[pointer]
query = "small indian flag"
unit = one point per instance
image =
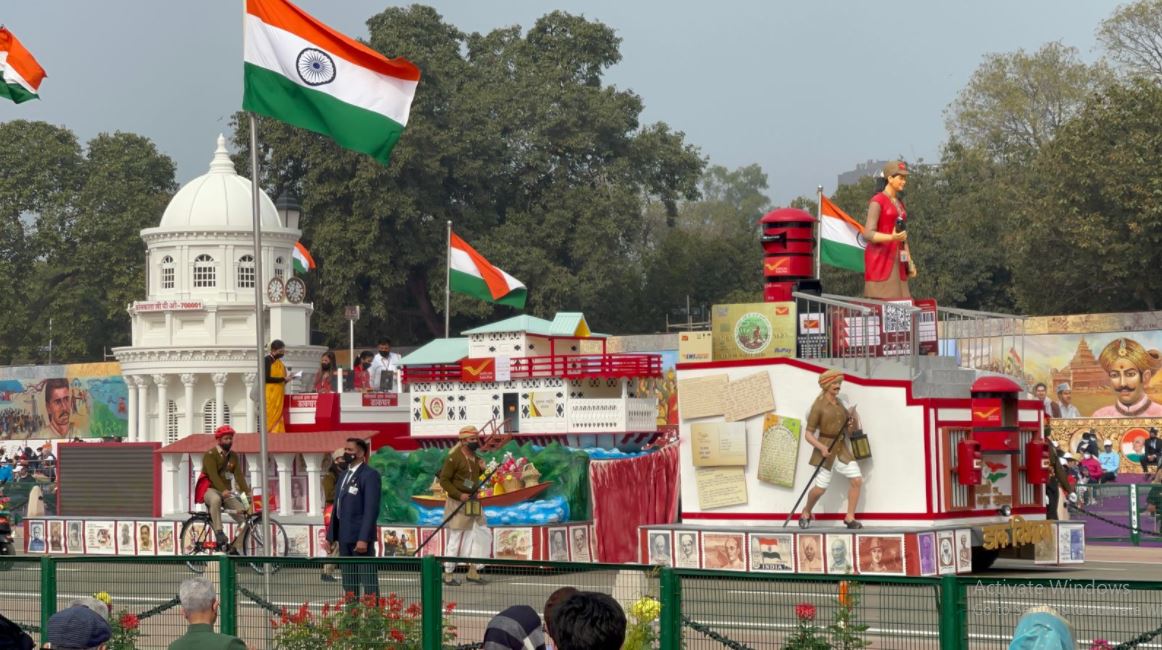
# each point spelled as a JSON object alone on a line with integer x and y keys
{"x": 842, "y": 238}
{"x": 470, "y": 273}
{"x": 304, "y": 73}
{"x": 302, "y": 259}
{"x": 22, "y": 74}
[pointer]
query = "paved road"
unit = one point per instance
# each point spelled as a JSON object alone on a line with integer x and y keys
{"x": 759, "y": 614}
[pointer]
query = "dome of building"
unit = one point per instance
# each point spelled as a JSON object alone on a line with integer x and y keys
{"x": 218, "y": 199}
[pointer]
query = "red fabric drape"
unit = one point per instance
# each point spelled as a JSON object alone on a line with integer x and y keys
{"x": 630, "y": 493}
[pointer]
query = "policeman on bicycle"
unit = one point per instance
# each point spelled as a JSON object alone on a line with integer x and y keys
{"x": 223, "y": 483}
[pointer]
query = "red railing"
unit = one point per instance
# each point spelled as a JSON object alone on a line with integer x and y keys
{"x": 604, "y": 366}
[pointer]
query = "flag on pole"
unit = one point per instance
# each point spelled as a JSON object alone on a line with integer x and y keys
{"x": 470, "y": 273}
{"x": 302, "y": 259}
{"x": 842, "y": 241}
{"x": 302, "y": 72}
{"x": 22, "y": 74}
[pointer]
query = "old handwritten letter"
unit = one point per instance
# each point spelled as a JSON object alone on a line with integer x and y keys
{"x": 719, "y": 487}
{"x": 718, "y": 444}
{"x": 702, "y": 397}
{"x": 749, "y": 396}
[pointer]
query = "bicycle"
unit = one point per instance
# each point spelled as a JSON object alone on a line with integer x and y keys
{"x": 198, "y": 538}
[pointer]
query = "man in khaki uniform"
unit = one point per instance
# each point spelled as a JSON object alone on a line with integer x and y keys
{"x": 219, "y": 466}
{"x": 827, "y": 428}
{"x": 467, "y": 534}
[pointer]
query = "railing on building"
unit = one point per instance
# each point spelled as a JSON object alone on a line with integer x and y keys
{"x": 604, "y": 415}
{"x": 983, "y": 340}
{"x": 695, "y": 608}
{"x": 604, "y": 366}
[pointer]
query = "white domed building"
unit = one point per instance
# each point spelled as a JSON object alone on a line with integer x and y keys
{"x": 193, "y": 360}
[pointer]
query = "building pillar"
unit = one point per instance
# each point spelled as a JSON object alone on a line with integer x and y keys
{"x": 162, "y": 382}
{"x": 219, "y": 398}
{"x": 183, "y": 495}
{"x": 169, "y": 487}
{"x": 286, "y": 463}
{"x": 252, "y": 474}
{"x": 142, "y": 407}
{"x": 131, "y": 409}
{"x": 249, "y": 379}
{"x": 188, "y": 381}
{"x": 195, "y": 472}
{"x": 314, "y": 463}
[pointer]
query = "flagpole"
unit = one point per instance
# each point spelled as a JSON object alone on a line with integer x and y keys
{"x": 259, "y": 329}
{"x": 818, "y": 231}
{"x": 448, "y": 283}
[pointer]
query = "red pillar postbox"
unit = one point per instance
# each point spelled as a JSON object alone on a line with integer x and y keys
{"x": 788, "y": 241}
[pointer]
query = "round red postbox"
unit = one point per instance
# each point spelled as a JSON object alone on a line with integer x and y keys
{"x": 788, "y": 241}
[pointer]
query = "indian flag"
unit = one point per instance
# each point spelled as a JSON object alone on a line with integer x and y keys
{"x": 470, "y": 273}
{"x": 842, "y": 238}
{"x": 22, "y": 74}
{"x": 304, "y": 73}
{"x": 302, "y": 259}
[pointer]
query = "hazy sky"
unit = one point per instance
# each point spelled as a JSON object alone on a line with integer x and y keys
{"x": 805, "y": 89}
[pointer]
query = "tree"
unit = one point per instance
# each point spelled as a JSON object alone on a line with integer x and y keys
{"x": 1092, "y": 226}
{"x": 1132, "y": 37}
{"x": 517, "y": 141}
{"x": 1014, "y": 103}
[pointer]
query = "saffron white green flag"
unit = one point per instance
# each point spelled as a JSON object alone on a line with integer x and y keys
{"x": 470, "y": 273}
{"x": 304, "y": 73}
{"x": 302, "y": 259}
{"x": 21, "y": 73}
{"x": 842, "y": 242}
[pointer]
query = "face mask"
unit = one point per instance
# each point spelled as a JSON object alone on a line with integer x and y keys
{"x": 348, "y": 458}
{"x": 326, "y": 366}
{"x": 472, "y": 446}
{"x": 226, "y": 448}
{"x": 341, "y": 465}
{"x": 366, "y": 365}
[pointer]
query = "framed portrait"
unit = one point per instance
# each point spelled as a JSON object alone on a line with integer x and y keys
{"x": 56, "y": 537}
{"x": 433, "y": 547}
{"x": 809, "y": 552}
{"x": 771, "y": 553}
{"x": 927, "y": 545}
{"x": 126, "y": 538}
{"x": 397, "y": 541}
{"x": 724, "y": 551}
{"x": 659, "y": 547}
{"x": 1071, "y": 543}
{"x": 319, "y": 541}
{"x": 299, "y": 494}
{"x": 100, "y": 538}
{"x": 37, "y": 537}
{"x": 579, "y": 544}
{"x": 298, "y": 540}
{"x": 688, "y": 551}
{"x": 167, "y": 537}
{"x": 513, "y": 543}
{"x": 945, "y": 552}
{"x": 880, "y": 554}
{"x": 963, "y": 550}
{"x": 839, "y": 553}
{"x": 558, "y": 544}
{"x": 146, "y": 538}
{"x": 75, "y": 537}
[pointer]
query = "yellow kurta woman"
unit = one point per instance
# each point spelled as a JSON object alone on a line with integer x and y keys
{"x": 275, "y": 387}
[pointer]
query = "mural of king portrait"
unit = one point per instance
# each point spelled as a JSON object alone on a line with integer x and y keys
{"x": 1130, "y": 367}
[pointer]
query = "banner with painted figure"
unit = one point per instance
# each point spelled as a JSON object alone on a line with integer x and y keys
{"x": 85, "y": 400}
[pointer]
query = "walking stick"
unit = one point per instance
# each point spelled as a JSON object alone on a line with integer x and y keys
{"x": 809, "y": 482}
{"x": 460, "y": 507}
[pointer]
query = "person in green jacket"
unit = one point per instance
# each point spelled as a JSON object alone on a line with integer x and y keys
{"x": 200, "y": 608}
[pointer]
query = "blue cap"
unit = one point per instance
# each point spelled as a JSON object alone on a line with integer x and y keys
{"x": 1041, "y": 631}
{"x": 77, "y": 627}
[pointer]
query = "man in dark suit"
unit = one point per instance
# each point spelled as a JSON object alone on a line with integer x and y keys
{"x": 353, "y": 521}
{"x": 1152, "y": 451}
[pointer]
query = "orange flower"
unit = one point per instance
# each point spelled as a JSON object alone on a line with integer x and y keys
{"x": 844, "y": 599}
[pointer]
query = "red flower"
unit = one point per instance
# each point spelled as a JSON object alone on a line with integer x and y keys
{"x": 414, "y": 609}
{"x": 129, "y": 621}
{"x": 449, "y": 607}
{"x": 805, "y": 612}
{"x": 398, "y": 636}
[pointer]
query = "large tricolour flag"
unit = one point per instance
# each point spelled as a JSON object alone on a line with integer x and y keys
{"x": 304, "y": 73}
{"x": 470, "y": 273}
{"x": 301, "y": 258}
{"x": 21, "y": 73}
{"x": 842, "y": 237}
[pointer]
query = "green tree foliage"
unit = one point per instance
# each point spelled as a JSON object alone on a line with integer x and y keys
{"x": 70, "y": 247}
{"x": 1132, "y": 38}
{"x": 514, "y": 138}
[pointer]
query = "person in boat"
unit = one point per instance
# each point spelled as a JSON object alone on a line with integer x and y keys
{"x": 827, "y": 427}
{"x": 468, "y": 535}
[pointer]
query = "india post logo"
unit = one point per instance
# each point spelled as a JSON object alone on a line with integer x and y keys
{"x": 752, "y": 333}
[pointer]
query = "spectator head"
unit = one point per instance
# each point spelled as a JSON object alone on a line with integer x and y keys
{"x": 1040, "y": 390}
{"x": 365, "y": 358}
{"x": 78, "y": 628}
{"x": 517, "y": 627}
{"x": 588, "y": 621}
{"x": 199, "y": 600}
{"x": 277, "y": 349}
{"x": 355, "y": 446}
{"x": 555, "y": 600}
{"x": 97, "y": 606}
{"x": 384, "y": 346}
{"x": 1042, "y": 628}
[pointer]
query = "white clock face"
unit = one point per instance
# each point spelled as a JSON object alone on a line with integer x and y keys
{"x": 274, "y": 290}
{"x": 296, "y": 290}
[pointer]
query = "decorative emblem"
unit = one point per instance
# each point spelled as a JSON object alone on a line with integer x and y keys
{"x": 859, "y": 239}
{"x": 296, "y": 290}
{"x": 315, "y": 67}
{"x": 275, "y": 290}
{"x": 752, "y": 333}
{"x": 1122, "y": 348}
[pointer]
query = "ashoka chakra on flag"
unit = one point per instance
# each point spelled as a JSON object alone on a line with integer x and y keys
{"x": 316, "y": 67}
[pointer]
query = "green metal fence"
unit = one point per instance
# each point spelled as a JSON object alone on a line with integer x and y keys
{"x": 283, "y": 603}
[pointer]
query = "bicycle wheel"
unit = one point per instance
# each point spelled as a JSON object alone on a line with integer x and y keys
{"x": 255, "y": 544}
{"x": 196, "y": 535}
